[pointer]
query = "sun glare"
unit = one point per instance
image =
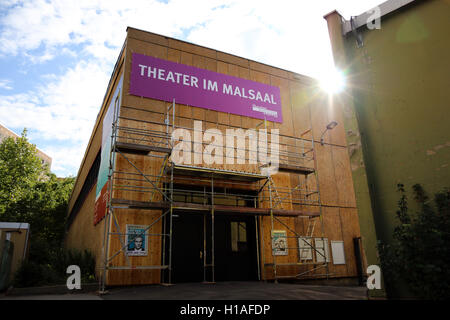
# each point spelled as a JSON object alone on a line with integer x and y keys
{"x": 332, "y": 81}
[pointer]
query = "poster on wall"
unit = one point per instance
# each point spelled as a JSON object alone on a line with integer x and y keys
{"x": 101, "y": 195}
{"x": 279, "y": 243}
{"x": 137, "y": 241}
{"x": 166, "y": 80}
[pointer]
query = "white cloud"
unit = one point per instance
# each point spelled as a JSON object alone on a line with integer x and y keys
{"x": 63, "y": 110}
{"x": 48, "y": 24}
{"x": 66, "y": 160}
{"x": 5, "y": 84}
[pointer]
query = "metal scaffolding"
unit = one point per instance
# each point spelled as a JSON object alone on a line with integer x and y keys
{"x": 207, "y": 189}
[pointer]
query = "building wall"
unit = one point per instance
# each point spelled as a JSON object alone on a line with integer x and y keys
{"x": 81, "y": 232}
{"x": 304, "y": 106}
{"x": 402, "y": 104}
{"x": 398, "y": 82}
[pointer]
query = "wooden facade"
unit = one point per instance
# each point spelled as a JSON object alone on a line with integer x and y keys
{"x": 305, "y": 109}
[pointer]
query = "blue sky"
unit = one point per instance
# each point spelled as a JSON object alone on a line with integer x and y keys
{"x": 56, "y": 57}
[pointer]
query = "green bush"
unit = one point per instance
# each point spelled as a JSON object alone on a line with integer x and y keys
{"x": 84, "y": 259}
{"x": 32, "y": 273}
{"x": 419, "y": 254}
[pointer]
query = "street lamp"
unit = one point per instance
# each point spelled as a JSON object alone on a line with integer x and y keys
{"x": 330, "y": 126}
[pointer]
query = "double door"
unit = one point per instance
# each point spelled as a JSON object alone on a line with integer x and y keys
{"x": 235, "y": 248}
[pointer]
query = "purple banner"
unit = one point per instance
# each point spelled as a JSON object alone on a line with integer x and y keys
{"x": 165, "y": 80}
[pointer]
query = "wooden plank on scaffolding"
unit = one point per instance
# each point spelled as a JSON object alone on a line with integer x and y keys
{"x": 218, "y": 173}
{"x": 350, "y": 230}
{"x": 133, "y": 204}
{"x": 139, "y": 149}
{"x": 295, "y": 169}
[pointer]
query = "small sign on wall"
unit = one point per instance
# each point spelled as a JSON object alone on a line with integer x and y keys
{"x": 305, "y": 248}
{"x": 337, "y": 250}
{"x": 137, "y": 241}
{"x": 279, "y": 243}
{"x": 322, "y": 250}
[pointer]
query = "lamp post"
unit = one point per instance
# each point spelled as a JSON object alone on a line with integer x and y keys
{"x": 330, "y": 126}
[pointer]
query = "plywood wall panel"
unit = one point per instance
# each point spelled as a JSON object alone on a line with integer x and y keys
{"x": 198, "y": 61}
{"x": 84, "y": 235}
{"x": 147, "y": 37}
{"x": 211, "y": 64}
{"x": 187, "y": 47}
{"x": 337, "y": 135}
{"x": 343, "y": 174}
{"x": 173, "y": 55}
{"x": 225, "y": 57}
{"x": 327, "y": 182}
{"x": 186, "y": 58}
{"x": 211, "y": 116}
{"x": 319, "y": 118}
{"x": 350, "y": 230}
{"x": 300, "y": 109}
{"x": 333, "y": 231}
{"x": 146, "y": 48}
{"x": 286, "y": 128}
{"x": 116, "y": 277}
{"x": 268, "y": 69}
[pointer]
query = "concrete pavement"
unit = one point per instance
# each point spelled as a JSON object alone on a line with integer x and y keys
{"x": 218, "y": 291}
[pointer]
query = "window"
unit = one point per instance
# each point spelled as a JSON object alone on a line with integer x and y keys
{"x": 337, "y": 250}
{"x": 321, "y": 249}
{"x": 238, "y": 236}
{"x": 305, "y": 248}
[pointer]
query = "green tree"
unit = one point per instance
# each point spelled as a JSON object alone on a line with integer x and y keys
{"x": 20, "y": 171}
{"x": 419, "y": 254}
{"x": 30, "y": 193}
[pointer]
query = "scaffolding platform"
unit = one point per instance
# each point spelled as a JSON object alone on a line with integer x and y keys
{"x": 139, "y": 149}
{"x": 295, "y": 169}
{"x": 133, "y": 204}
{"x": 216, "y": 173}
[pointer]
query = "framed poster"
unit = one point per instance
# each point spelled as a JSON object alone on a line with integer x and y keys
{"x": 137, "y": 243}
{"x": 322, "y": 254}
{"x": 305, "y": 248}
{"x": 279, "y": 243}
{"x": 338, "y": 252}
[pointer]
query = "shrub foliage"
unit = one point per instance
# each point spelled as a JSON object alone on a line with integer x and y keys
{"x": 419, "y": 253}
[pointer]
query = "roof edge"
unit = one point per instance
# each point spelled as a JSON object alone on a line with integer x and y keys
{"x": 385, "y": 8}
{"x": 295, "y": 74}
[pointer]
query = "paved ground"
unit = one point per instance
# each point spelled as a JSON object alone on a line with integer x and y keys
{"x": 218, "y": 291}
{"x": 66, "y": 296}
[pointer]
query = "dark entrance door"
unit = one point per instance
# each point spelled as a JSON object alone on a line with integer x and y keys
{"x": 235, "y": 248}
{"x": 187, "y": 263}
